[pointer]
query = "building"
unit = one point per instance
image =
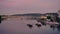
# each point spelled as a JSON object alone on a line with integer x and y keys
{"x": 43, "y": 16}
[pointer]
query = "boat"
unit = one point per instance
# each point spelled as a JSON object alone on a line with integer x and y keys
{"x": 52, "y": 23}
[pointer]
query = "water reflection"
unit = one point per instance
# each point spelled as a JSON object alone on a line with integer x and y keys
{"x": 58, "y": 27}
{"x": 52, "y": 24}
{"x": 21, "y": 25}
{"x": 1, "y": 19}
{"x": 54, "y": 27}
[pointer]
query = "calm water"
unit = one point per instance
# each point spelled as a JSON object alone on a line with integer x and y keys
{"x": 19, "y": 26}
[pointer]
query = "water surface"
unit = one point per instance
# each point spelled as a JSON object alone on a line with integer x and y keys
{"x": 19, "y": 26}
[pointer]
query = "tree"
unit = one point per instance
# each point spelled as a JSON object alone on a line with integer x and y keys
{"x": 48, "y": 17}
{"x": 0, "y": 19}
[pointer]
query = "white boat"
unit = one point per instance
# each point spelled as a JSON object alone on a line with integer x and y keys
{"x": 52, "y": 23}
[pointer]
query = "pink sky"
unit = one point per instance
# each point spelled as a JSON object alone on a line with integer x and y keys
{"x": 28, "y": 6}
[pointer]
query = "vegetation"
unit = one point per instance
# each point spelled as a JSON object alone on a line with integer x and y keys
{"x": 0, "y": 19}
{"x": 48, "y": 17}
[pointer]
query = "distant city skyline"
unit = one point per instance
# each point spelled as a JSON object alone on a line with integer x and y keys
{"x": 8, "y": 7}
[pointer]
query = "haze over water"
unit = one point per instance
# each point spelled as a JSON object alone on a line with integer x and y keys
{"x": 8, "y": 7}
{"x": 19, "y": 26}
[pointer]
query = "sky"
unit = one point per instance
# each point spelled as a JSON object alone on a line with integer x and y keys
{"x": 9, "y": 7}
